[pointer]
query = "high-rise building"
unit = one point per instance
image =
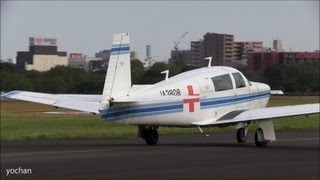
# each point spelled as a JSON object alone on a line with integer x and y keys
{"x": 180, "y": 55}
{"x": 277, "y": 45}
{"x": 148, "y": 51}
{"x": 196, "y": 52}
{"x": 104, "y": 55}
{"x": 219, "y": 47}
{"x": 241, "y": 49}
{"x": 223, "y": 50}
{"x": 42, "y": 55}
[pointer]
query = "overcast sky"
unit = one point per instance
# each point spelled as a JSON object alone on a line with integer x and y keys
{"x": 88, "y": 27}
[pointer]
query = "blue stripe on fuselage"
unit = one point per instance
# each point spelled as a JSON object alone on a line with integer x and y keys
{"x": 173, "y": 107}
{"x": 144, "y": 110}
{"x": 215, "y": 102}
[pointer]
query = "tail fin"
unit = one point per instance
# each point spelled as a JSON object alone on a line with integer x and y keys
{"x": 118, "y": 78}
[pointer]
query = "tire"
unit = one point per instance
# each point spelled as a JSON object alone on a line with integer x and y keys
{"x": 241, "y": 135}
{"x": 256, "y": 140}
{"x": 151, "y": 137}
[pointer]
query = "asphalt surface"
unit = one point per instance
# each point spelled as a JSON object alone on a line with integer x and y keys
{"x": 294, "y": 156}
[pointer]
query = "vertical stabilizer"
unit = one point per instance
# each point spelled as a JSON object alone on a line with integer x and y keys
{"x": 118, "y": 78}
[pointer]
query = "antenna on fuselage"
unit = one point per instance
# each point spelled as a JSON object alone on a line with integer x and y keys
{"x": 210, "y": 59}
{"x": 167, "y": 74}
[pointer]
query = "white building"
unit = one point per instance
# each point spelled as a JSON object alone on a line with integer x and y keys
{"x": 46, "y": 62}
{"x": 151, "y": 61}
{"x": 277, "y": 45}
{"x": 77, "y": 60}
{"x": 43, "y": 55}
{"x": 88, "y": 64}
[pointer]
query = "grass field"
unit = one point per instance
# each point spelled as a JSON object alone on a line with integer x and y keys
{"x": 28, "y": 121}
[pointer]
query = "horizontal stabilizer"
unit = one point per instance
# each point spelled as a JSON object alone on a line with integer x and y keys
{"x": 86, "y": 103}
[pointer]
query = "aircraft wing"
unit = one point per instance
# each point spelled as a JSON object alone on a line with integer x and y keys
{"x": 87, "y": 103}
{"x": 276, "y": 92}
{"x": 262, "y": 114}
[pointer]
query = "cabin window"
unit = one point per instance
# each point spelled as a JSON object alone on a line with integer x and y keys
{"x": 239, "y": 80}
{"x": 222, "y": 82}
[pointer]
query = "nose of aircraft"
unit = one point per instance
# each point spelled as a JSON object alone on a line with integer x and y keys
{"x": 264, "y": 87}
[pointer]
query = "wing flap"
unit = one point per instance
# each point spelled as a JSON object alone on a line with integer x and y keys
{"x": 92, "y": 107}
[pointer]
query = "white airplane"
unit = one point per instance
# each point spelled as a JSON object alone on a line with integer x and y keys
{"x": 209, "y": 96}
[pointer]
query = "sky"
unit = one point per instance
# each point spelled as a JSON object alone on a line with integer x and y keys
{"x": 88, "y": 26}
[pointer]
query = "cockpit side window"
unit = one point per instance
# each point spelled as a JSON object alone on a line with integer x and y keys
{"x": 222, "y": 82}
{"x": 239, "y": 80}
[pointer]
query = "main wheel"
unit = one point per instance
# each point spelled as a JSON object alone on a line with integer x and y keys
{"x": 151, "y": 136}
{"x": 241, "y": 135}
{"x": 256, "y": 139}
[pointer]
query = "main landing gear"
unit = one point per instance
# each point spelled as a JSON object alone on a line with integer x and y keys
{"x": 149, "y": 134}
{"x": 262, "y": 136}
{"x": 242, "y": 134}
{"x": 259, "y": 138}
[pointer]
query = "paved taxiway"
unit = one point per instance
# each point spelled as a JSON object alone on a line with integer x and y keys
{"x": 294, "y": 156}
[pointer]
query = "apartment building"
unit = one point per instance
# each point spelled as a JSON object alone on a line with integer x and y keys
{"x": 242, "y": 48}
{"x": 219, "y": 47}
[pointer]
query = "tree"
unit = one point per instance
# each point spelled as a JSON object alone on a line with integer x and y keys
{"x": 90, "y": 87}
{"x": 294, "y": 78}
{"x": 290, "y": 78}
{"x": 137, "y": 71}
{"x": 153, "y": 75}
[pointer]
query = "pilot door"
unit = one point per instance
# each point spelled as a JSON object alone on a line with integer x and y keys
{"x": 206, "y": 87}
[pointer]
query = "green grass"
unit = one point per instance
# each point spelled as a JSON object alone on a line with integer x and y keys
{"x": 27, "y": 121}
{"x": 62, "y": 128}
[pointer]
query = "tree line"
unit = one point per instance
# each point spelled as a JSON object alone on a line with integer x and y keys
{"x": 295, "y": 78}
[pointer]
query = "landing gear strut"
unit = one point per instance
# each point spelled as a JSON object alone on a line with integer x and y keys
{"x": 259, "y": 138}
{"x": 150, "y": 135}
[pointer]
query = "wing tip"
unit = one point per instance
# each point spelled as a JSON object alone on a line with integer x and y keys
{"x": 10, "y": 94}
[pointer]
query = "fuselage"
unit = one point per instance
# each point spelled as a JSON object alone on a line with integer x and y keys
{"x": 210, "y": 93}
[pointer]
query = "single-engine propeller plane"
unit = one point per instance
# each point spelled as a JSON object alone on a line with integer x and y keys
{"x": 208, "y": 96}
